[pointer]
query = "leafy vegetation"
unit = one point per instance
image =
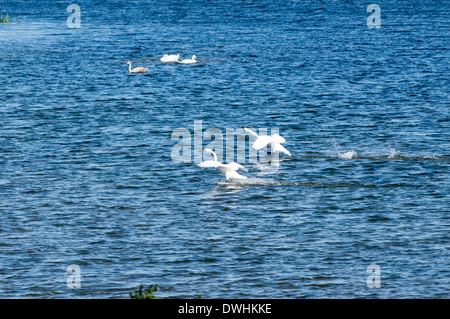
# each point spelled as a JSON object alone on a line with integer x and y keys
{"x": 5, "y": 18}
{"x": 149, "y": 293}
{"x": 145, "y": 293}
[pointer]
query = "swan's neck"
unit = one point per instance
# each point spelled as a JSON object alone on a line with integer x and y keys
{"x": 251, "y": 132}
{"x": 215, "y": 156}
{"x": 129, "y": 67}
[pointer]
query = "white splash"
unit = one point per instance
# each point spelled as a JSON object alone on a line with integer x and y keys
{"x": 393, "y": 152}
{"x": 347, "y": 155}
{"x": 251, "y": 181}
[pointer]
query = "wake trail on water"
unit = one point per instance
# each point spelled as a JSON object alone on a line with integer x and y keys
{"x": 394, "y": 154}
{"x": 386, "y": 157}
{"x": 271, "y": 182}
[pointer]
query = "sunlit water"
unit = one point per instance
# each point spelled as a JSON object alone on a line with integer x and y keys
{"x": 87, "y": 177}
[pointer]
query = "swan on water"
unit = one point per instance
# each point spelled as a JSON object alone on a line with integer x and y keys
{"x": 229, "y": 170}
{"x": 137, "y": 69}
{"x": 170, "y": 58}
{"x": 347, "y": 155}
{"x": 274, "y": 141}
{"x": 188, "y": 61}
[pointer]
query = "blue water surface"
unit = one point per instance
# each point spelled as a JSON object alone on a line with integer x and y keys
{"x": 87, "y": 175}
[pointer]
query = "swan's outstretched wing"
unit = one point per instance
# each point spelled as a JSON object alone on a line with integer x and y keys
{"x": 277, "y": 138}
{"x": 261, "y": 141}
{"x": 233, "y": 175}
{"x": 235, "y": 166}
{"x": 229, "y": 170}
{"x": 209, "y": 164}
{"x": 277, "y": 147}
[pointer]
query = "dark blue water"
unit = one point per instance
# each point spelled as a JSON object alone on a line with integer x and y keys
{"x": 87, "y": 177}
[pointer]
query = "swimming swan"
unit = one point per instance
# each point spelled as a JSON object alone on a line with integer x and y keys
{"x": 189, "y": 61}
{"x": 137, "y": 69}
{"x": 170, "y": 58}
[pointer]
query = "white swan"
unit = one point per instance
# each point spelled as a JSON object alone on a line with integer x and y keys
{"x": 188, "y": 61}
{"x": 347, "y": 155}
{"x": 170, "y": 58}
{"x": 137, "y": 69}
{"x": 274, "y": 141}
{"x": 229, "y": 170}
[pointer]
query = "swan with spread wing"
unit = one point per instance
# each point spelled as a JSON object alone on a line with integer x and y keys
{"x": 274, "y": 141}
{"x": 229, "y": 170}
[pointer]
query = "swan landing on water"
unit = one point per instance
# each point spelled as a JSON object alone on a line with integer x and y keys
{"x": 137, "y": 69}
{"x": 274, "y": 141}
{"x": 229, "y": 170}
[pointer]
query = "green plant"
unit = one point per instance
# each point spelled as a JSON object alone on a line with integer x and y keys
{"x": 145, "y": 294}
{"x": 149, "y": 293}
{"x": 5, "y": 19}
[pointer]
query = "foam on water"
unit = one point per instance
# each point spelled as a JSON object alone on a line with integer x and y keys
{"x": 347, "y": 155}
